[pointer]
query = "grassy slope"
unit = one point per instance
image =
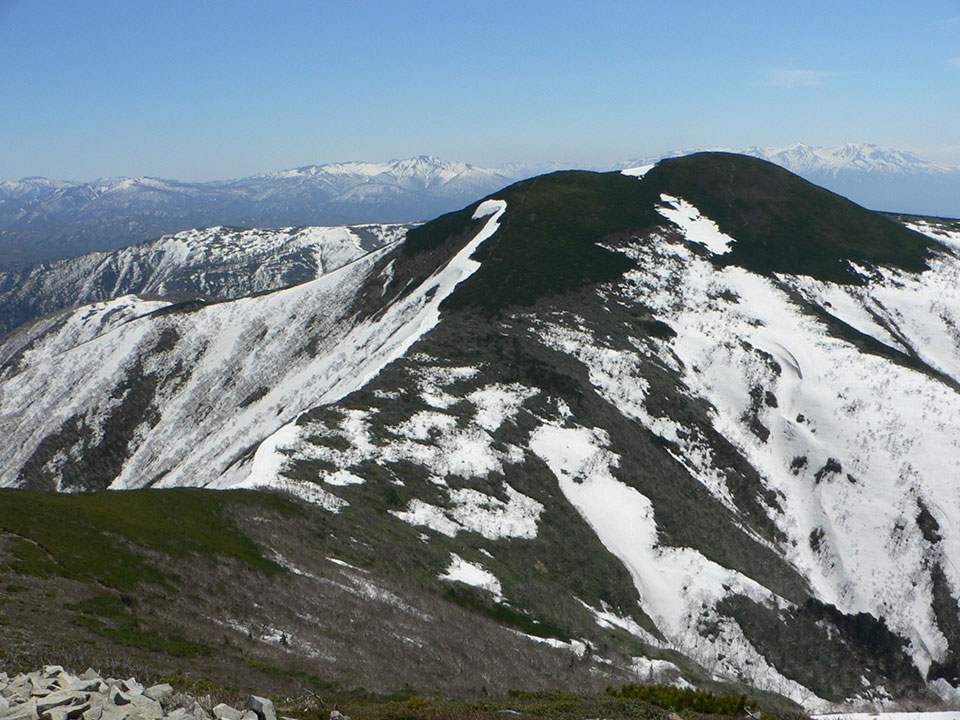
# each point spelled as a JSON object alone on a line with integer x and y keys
{"x": 105, "y": 537}
{"x": 546, "y": 243}
{"x": 186, "y": 583}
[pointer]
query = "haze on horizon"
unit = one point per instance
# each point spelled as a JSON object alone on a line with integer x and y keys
{"x": 214, "y": 90}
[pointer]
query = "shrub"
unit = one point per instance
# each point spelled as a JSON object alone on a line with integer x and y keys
{"x": 674, "y": 698}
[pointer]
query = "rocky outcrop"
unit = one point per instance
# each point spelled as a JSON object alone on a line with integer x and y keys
{"x": 54, "y": 694}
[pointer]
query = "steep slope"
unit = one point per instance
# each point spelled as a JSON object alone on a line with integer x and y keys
{"x": 43, "y": 220}
{"x": 216, "y": 263}
{"x": 700, "y": 420}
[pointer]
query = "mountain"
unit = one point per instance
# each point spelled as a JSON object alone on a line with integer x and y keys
{"x": 695, "y": 425}
{"x": 877, "y": 177}
{"x": 218, "y": 263}
{"x": 43, "y": 220}
{"x": 851, "y": 157}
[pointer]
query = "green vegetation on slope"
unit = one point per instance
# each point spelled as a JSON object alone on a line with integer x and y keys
{"x": 674, "y": 698}
{"x": 109, "y": 616}
{"x": 823, "y": 649}
{"x": 782, "y": 223}
{"x": 546, "y": 243}
{"x": 555, "y": 705}
{"x": 104, "y": 537}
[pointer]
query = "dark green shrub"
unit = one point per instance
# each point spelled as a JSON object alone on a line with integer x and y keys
{"x": 674, "y": 698}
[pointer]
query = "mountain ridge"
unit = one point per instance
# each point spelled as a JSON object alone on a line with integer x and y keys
{"x": 217, "y": 263}
{"x": 677, "y": 452}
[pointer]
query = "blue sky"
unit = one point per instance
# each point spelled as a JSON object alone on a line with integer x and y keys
{"x": 205, "y": 89}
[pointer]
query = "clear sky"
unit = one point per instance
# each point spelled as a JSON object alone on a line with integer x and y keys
{"x": 204, "y": 89}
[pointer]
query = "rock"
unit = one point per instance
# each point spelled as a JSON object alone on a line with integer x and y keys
{"x": 75, "y": 684}
{"x": 51, "y": 671}
{"x": 90, "y": 674}
{"x": 95, "y": 710}
{"x": 161, "y": 693}
{"x": 40, "y": 685}
{"x": 4, "y": 705}
{"x": 131, "y": 687}
{"x": 249, "y": 715}
{"x": 337, "y": 715}
{"x": 114, "y": 713}
{"x": 144, "y": 708}
{"x": 16, "y": 694}
{"x": 75, "y": 712}
{"x": 262, "y": 707}
{"x": 118, "y": 697}
{"x": 57, "y": 713}
{"x": 58, "y": 698}
{"x": 23, "y": 711}
{"x": 225, "y": 712}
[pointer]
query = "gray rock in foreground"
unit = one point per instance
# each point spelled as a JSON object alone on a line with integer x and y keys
{"x": 262, "y": 707}
{"x": 54, "y": 694}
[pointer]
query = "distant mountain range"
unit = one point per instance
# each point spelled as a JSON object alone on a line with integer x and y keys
{"x": 43, "y": 220}
{"x": 876, "y": 177}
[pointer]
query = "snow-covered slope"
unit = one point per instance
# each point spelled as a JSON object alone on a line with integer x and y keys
{"x": 42, "y": 220}
{"x": 221, "y": 378}
{"x": 882, "y": 178}
{"x": 216, "y": 263}
{"x": 704, "y": 418}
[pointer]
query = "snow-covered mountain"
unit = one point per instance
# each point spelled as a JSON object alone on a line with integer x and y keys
{"x": 44, "y": 220}
{"x": 851, "y": 157}
{"x": 878, "y": 177}
{"x": 700, "y": 418}
{"x": 218, "y": 263}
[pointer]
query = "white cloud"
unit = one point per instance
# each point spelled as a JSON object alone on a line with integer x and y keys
{"x": 795, "y": 77}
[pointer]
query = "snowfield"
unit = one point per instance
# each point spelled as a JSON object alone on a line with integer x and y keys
{"x": 211, "y": 418}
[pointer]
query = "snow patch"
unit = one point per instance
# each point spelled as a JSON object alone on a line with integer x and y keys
{"x": 474, "y": 511}
{"x": 638, "y": 171}
{"x": 343, "y": 477}
{"x": 695, "y": 227}
{"x": 469, "y": 573}
{"x": 607, "y": 619}
{"x": 498, "y": 403}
